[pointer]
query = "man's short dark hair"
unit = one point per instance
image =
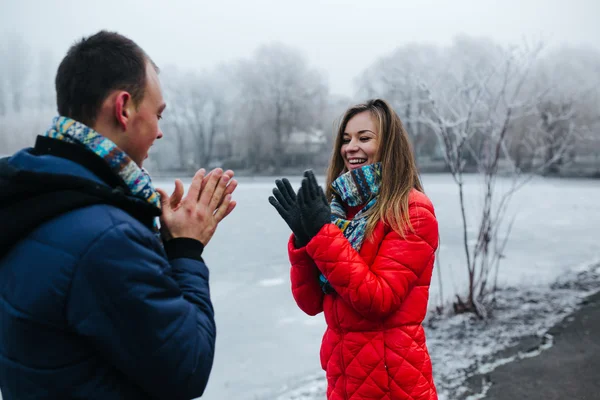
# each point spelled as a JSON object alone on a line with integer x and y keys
{"x": 93, "y": 68}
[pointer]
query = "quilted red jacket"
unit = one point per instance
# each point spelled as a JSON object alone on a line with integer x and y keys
{"x": 374, "y": 345}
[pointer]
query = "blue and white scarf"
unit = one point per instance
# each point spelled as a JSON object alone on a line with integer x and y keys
{"x": 136, "y": 178}
{"x": 354, "y": 188}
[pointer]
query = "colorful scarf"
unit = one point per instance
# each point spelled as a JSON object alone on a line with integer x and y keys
{"x": 354, "y": 188}
{"x": 136, "y": 178}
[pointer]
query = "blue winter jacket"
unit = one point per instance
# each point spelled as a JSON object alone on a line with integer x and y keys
{"x": 92, "y": 306}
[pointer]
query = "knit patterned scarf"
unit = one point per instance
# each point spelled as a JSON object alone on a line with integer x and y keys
{"x": 136, "y": 178}
{"x": 354, "y": 188}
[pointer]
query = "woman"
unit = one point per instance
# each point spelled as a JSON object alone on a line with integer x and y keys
{"x": 365, "y": 258}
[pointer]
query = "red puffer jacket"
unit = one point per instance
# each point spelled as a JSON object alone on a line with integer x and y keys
{"x": 374, "y": 346}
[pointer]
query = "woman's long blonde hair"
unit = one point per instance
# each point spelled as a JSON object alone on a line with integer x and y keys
{"x": 399, "y": 173}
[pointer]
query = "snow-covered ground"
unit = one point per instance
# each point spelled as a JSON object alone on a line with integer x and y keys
{"x": 268, "y": 349}
{"x": 463, "y": 346}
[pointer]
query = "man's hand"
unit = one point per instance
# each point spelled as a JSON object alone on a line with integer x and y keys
{"x": 197, "y": 215}
{"x": 177, "y": 195}
{"x": 169, "y": 202}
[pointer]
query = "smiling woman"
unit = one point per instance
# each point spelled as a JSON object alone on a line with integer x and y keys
{"x": 362, "y": 252}
{"x": 360, "y": 141}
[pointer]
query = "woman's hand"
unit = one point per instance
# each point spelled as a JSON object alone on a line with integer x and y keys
{"x": 285, "y": 202}
{"x": 314, "y": 207}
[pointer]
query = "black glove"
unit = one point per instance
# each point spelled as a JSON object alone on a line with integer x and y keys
{"x": 287, "y": 206}
{"x": 314, "y": 207}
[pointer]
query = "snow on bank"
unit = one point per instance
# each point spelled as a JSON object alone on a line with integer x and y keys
{"x": 462, "y": 346}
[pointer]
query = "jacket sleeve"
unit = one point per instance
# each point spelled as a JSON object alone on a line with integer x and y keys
{"x": 152, "y": 318}
{"x": 377, "y": 290}
{"x": 305, "y": 280}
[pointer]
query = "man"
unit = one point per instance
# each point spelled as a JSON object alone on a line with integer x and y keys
{"x": 94, "y": 302}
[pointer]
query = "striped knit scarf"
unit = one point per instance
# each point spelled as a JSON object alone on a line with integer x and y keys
{"x": 354, "y": 188}
{"x": 136, "y": 178}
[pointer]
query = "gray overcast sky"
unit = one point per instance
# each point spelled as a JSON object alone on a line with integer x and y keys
{"x": 339, "y": 37}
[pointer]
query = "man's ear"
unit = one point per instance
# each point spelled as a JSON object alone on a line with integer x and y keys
{"x": 123, "y": 103}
